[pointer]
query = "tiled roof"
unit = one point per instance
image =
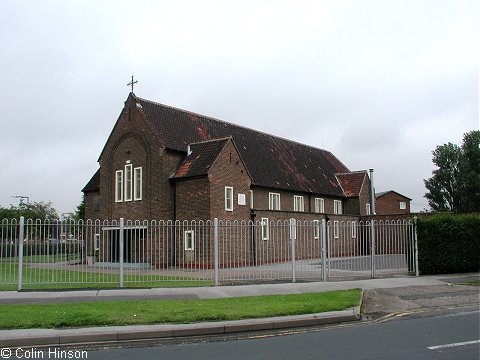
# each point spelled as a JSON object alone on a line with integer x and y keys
{"x": 93, "y": 184}
{"x": 201, "y": 157}
{"x": 352, "y": 182}
{"x": 271, "y": 161}
{"x": 380, "y": 194}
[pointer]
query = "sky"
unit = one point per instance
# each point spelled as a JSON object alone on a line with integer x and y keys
{"x": 379, "y": 83}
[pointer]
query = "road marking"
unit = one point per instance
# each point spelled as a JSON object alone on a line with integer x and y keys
{"x": 453, "y": 345}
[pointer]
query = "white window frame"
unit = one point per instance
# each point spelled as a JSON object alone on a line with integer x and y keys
{"x": 228, "y": 199}
{"x": 316, "y": 229}
{"x": 128, "y": 183}
{"x": 137, "y": 183}
{"x": 251, "y": 199}
{"x": 189, "y": 235}
{"x": 337, "y": 207}
{"x": 403, "y": 205}
{"x": 354, "y": 229}
{"x": 265, "y": 228}
{"x": 119, "y": 186}
{"x": 320, "y": 205}
{"x": 97, "y": 242}
{"x": 300, "y": 207}
{"x": 367, "y": 209}
{"x": 336, "y": 230}
{"x": 274, "y": 199}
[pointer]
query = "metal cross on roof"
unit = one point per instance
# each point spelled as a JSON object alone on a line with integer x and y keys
{"x": 131, "y": 83}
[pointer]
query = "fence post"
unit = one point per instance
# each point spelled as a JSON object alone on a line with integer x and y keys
{"x": 21, "y": 236}
{"x": 372, "y": 248}
{"x": 415, "y": 246}
{"x": 324, "y": 250}
{"x": 215, "y": 242}
{"x": 121, "y": 250}
{"x": 293, "y": 236}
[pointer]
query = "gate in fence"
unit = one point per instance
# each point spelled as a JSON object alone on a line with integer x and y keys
{"x": 194, "y": 253}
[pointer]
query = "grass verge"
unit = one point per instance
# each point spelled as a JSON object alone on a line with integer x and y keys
{"x": 113, "y": 313}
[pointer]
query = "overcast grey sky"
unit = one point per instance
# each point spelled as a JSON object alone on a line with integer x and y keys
{"x": 379, "y": 83}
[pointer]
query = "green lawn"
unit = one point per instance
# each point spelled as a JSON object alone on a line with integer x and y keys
{"x": 68, "y": 279}
{"x": 172, "y": 311}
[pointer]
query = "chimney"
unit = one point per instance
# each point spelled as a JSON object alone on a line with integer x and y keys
{"x": 372, "y": 193}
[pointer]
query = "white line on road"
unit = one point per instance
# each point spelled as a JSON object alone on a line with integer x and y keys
{"x": 453, "y": 345}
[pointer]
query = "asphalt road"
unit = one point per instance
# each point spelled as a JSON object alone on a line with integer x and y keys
{"x": 447, "y": 334}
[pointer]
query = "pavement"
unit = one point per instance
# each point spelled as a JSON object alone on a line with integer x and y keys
{"x": 381, "y": 296}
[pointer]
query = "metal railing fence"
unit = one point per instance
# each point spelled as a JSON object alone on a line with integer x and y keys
{"x": 37, "y": 253}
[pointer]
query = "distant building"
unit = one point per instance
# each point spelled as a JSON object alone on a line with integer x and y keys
{"x": 392, "y": 203}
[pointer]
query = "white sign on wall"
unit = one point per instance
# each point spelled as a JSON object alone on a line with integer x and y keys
{"x": 242, "y": 199}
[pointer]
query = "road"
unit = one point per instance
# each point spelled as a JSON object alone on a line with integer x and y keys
{"x": 447, "y": 334}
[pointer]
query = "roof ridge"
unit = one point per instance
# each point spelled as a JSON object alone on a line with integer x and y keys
{"x": 240, "y": 126}
{"x": 353, "y": 172}
{"x": 212, "y": 140}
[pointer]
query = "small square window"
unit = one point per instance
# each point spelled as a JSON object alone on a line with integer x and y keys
{"x": 403, "y": 205}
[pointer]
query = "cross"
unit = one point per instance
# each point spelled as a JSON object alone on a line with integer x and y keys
{"x": 131, "y": 83}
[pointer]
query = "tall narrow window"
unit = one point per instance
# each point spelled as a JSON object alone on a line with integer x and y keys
{"x": 128, "y": 182}
{"x": 316, "y": 229}
{"x": 189, "y": 237}
{"x": 367, "y": 209}
{"x": 319, "y": 205}
{"x": 119, "y": 186}
{"x": 336, "y": 230}
{"x": 265, "y": 230}
{"x": 298, "y": 204}
{"x": 251, "y": 199}
{"x": 228, "y": 198}
{"x": 273, "y": 201}
{"x": 337, "y": 207}
{"x": 137, "y": 183}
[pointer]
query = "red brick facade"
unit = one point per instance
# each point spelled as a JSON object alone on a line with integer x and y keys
{"x": 200, "y": 195}
{"x": 391, "y": 202}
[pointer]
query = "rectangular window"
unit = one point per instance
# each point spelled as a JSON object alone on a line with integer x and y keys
{"x": 97, "y": 242}
{"x": 403, "y": 205}
{"x": 189, "y": 237}
{"x": 273, "y": 201}
{"x": 336, "y": 229}
{"x": 119, "y": 186}
{"x": 298, "y": 203}
{"x": 354, "y": 229}
{"x": 319, "y": 205}
{"x": 367, "y": 209}
{"x": 337, "y": 207}
{"x": 264, "y": 225}
{"x": 137, "y": 183}
{"x": 251, "y": 199}
{"x": 128, "y": 182}
{"x": 96, "y": 202}
{"x": 228, "y": 198}
{"x": 316, "y": 229}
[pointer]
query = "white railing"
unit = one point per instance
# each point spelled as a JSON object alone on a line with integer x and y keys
{"x": 194, "y": 253}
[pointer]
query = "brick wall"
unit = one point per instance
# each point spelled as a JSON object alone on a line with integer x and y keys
{"x": 390, "y": 204}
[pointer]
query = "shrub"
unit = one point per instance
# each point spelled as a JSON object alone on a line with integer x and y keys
{"x": 449, "y": 243}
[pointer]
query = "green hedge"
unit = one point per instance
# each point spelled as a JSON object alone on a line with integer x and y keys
{"x": 449, "y": 244}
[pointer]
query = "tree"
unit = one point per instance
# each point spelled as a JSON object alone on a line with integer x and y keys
{"x": 33, "y": 210}
{"x": 80, "y": 210}
{"x": 455, "y": 185}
